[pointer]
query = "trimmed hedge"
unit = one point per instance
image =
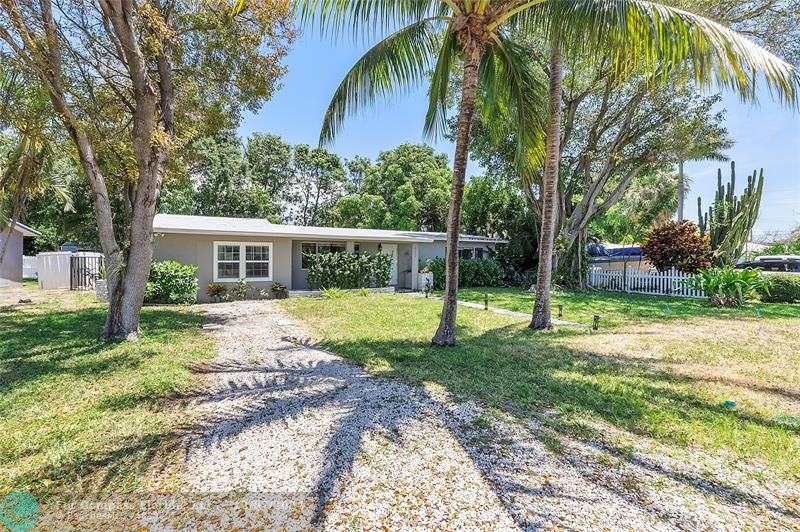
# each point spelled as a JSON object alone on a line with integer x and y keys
{"x": 471, "y": 272}
{"x": 783, "y": 288}
{"x": 171, "y": 282}
{"x": 348, "y": 270}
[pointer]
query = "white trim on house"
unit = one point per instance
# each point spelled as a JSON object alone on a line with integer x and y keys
{"x": 242, "y": 261}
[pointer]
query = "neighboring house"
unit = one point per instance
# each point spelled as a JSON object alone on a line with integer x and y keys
{"x": 11, "y": 265}
{"x": 228, "y": 249}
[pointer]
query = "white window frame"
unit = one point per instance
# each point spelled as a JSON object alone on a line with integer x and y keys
{"x": 242, "y": 261}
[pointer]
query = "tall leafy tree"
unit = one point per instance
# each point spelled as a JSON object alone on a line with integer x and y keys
{"x": 435, "y": 34}
{"x": 358, "y": 168}
{"x": 269, "y": 162}
{"x": 413, "y": 184}
{"x": 130, "y": 82}
{"x": 225, "y": 186}
{"x": 319, "y": 182}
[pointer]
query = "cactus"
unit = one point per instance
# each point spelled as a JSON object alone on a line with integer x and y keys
{"x": 729, "y": 219}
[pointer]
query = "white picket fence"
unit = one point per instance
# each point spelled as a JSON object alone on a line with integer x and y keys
{"x": 668, "y": 283}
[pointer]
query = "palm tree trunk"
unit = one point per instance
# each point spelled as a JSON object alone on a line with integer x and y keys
{"x": 681, "y": 190}
{"x": 446, "y": 334}
{"x": 541, "y": 309}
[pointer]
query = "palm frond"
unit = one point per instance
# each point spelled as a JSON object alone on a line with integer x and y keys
{"x": 393, "y": 65}
{"x": 516, "y": 87}
{"x": 663, "y": 40}
{"x": 367, "y": 18}
{"x": 436, "y": 117}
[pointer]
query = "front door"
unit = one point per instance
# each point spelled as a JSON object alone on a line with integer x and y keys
{"x": 391, "y": 249}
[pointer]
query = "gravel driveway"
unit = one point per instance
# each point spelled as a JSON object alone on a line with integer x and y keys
{"x": 291, "y": 436}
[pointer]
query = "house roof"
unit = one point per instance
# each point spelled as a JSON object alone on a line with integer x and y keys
{"x": 25, "y": 230}
{"x": 217, "y": 225}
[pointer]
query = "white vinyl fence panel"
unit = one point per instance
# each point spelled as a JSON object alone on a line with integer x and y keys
{"x": 29, "y": 267}
{"x": 54, "y": 270}
{"x": 668, "y": 283}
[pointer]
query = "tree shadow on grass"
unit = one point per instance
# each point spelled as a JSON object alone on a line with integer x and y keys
{"x": 55, "y": 353}
{"x": 527, "y": 375}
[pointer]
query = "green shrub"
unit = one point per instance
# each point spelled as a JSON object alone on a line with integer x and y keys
{"x": 333, "y": 293}
{"x": 382, "y": 269}
{"x": 279, "y": 291}
{"x": 728, "y": 287}
{"x": 783, "y": 288}
{"x": 216, "y": 290}
{"x": 171, "y": 282}
{"x": 240, "y": 292}
{"x": 348, "y": 270}
{"x": 471, "y": 272}
{"x": 677, "y": 245}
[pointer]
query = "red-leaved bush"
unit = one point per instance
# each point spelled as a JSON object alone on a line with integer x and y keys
{"x": 679, "y": 245}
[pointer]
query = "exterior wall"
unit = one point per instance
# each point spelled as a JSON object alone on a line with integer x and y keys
{"x": 431, "y": 250}
{"x": 11, "y": 267}
{"x": 199, "y": 250}
{"x": 286, "y": 257}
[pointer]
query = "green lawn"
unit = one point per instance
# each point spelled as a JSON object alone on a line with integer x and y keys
{"x": 618, "y": 309}
{"x": 655, "y": 379}
{"x": 79, "y": 413}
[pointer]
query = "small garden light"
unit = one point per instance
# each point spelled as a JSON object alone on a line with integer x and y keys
{"x": 560, "y": 311}
{"x": 486, "y": 301}
{"x": 596, "y": 322}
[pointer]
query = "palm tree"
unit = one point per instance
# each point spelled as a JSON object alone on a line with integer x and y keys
{"x": 697, "y": 140}
{"x": 26, "y": 167}
{"x": 479, "y": 33}
{"x": 664, "y": 42}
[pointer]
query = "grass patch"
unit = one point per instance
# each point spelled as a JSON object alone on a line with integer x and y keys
{"x": 81, "y": 414}
{"x": 618, "y": 309}
{"x": 578, "y": 382}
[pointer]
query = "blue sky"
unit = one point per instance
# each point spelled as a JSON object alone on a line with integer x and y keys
{"x": 766, "y": 135}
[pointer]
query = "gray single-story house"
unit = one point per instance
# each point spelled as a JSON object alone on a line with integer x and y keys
{"x": 226, "y": 250}
{"x": 11, "y": 267}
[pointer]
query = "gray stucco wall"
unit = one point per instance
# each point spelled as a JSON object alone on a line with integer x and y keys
{"x": 199, "y": 250}
{"x": 11, "y": 267}
{"x": 431, "y": 250}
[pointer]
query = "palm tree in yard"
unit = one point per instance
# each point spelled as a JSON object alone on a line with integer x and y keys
{"x": 429, "y": 39}
{"x": 697, "y": 140}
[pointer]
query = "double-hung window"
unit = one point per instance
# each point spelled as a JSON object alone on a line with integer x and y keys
{"x": 251, "y": 261}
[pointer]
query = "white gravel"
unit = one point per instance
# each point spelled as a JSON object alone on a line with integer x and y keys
{"x": 289, "y": 436}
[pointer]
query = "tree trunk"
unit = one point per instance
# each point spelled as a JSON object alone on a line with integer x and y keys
{"x": 541, "y": 309}
{"x": 681, "y": 190}
{"x": 446, "y": 334}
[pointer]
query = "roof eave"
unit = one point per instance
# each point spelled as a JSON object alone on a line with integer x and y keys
{"x": 189, "y": 231}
